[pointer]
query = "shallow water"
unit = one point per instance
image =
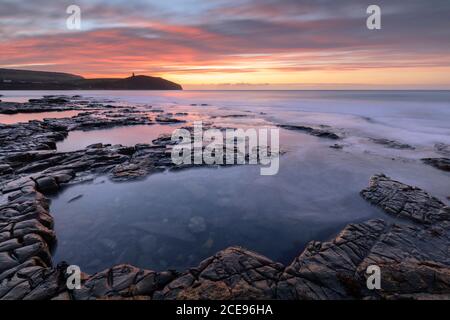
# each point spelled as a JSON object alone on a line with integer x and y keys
{"x": 175, "y": 219}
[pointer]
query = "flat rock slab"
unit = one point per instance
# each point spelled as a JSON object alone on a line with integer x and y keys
{"x": 402, "y": 200}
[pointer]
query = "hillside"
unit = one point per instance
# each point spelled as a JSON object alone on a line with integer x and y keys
{"x": 40, "y": 80}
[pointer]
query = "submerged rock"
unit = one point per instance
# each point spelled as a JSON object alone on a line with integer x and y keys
{"x": 321, "y": 133}
{"x": 413, "y": 258}
{"x": 197, "y": 224}
{"x": 167, "y": 119}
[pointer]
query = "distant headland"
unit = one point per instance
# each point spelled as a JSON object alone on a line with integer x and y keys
{"x": 11, "y": 79}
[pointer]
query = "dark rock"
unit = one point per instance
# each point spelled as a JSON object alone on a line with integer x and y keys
{"x": 439, "y": 163}
{"x": 327, "y": 270}
{"x": 392, "y": 144}
{"x": 33, "y": 226}
{"x": 5, "y": 169}
{"x": 413, "y": 256}
{"x": 401, "y": 200}
{"x": 9, "y": 245}
{"x": 232, "y": 116}
{"x": 75, "y": 198}
{"x": 95, "y": 146}
{"x": 233, "y": 273}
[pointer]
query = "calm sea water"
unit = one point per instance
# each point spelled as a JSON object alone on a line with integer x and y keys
{"x": 176, "y": 219}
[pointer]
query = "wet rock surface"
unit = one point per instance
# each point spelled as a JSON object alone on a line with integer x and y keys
{"x": 443, "y": 149}
{"x": 413, "y": 254}
{"x": 45, "y": 104}
{"x": 392, "y": 144}
{"x": 414, "y": 258}
{"x": 318, "y": 132}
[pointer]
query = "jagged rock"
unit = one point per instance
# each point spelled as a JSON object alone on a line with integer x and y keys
{"x": 414, "y": 256}
{"x": 7, "y": 261}
{"x": 10, "y": 245}
{"x": 167, "y": 119}
{"x": 197, "y": 224}
{"x": 47, "y": 184}
{"x": 401, "y": 200}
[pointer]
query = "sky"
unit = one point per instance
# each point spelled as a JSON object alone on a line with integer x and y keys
{"x": 235, "y": 44}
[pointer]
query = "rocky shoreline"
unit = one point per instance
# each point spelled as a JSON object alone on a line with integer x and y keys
{"x": 413, "y": 254}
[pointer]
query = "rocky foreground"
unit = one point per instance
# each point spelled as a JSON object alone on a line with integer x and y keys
{"x": 413, "y": 254}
